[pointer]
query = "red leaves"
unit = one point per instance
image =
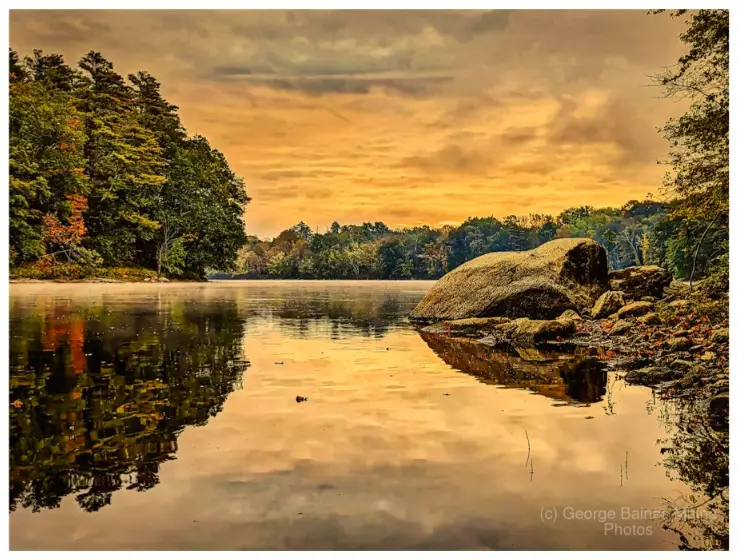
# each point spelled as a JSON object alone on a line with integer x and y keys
{"x": 56, "y": 233}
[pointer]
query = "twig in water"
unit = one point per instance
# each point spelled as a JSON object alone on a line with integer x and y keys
{"x": 621, "y": 474}
{"x": 626, "y": 465}
{"x": 529, "y": 449}
{"x": 532, "y": 470}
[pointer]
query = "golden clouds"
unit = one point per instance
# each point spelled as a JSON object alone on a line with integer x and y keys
{"x": 405, "y": 117}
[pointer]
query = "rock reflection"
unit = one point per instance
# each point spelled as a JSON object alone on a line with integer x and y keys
{"x": 571, "y": 378}
{"x": 100, "y": 395}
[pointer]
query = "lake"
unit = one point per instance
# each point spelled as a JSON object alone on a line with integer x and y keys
{"x": 167, "y": 417}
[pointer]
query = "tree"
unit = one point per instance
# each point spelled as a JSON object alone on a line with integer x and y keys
{"x": 123, "y": 161}
{"x": 303, "y": 230}
{"x": 205, "y": 201}
{"x": 46, "y": 160}
{"x": 51, "y": 71}
{"x": 699, "y": 138}
{"x": 67, "y": 238}
{"x": 99, "y": 167}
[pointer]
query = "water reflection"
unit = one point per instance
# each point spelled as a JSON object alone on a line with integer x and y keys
{"x": 697, "y": 453}
{"x": 574, "y": 377}
{"x": 394, "y": 449}
{"x": 309, "y": 310}
{"x": 100, "y": 394}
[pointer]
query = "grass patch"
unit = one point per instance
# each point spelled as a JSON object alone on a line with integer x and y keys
{"x": 62, "y": 271}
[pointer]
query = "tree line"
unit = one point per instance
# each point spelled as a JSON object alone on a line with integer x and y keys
{"x": 638, "y": 233}
{"x": 687, "y": 234}
{"x": 103, "y": 174}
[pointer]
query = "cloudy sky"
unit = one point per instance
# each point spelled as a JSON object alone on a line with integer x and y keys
{"x": 424, "y": 117}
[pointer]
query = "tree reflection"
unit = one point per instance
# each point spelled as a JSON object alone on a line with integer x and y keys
{"x": 100, "y": 394}
{"x": 697, "y": 453}
{"x": 566, "y": 377}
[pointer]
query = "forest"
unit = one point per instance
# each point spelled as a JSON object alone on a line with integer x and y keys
{"x": 638, "y": 233}
{"x": 105, "y": 179}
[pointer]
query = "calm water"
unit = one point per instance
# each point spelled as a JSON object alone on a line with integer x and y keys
{"x": 165, "y": 417}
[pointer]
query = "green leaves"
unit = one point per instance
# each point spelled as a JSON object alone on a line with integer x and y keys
{"x": 88, "y": 132}
{"x": 699, "y": 138}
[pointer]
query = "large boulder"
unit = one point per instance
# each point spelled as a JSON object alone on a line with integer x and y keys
{"x": 540, "y": 284}
{"x": 640, "y": 281}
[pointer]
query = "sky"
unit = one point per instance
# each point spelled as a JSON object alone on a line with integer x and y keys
{"x": 407, "y": 117}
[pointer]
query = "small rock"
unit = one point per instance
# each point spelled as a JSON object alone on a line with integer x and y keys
{"x": 298, "y": 398}
{"x": 570, "y": 315}
{"x": 473, "y": 327}
{"x": 683, "y": 364}
{"x": 635, "y": 309}
{"x": 708, "y": 356}
{"x": 163, "y": 279}
{"x": 608, "y": 303}
{"x": 529, "y": 332}
{"x": 678, "y": 303}
{"x": 278, "y": 363}
{"x": 650, "y": 299}
{"x": 678, "y": 343}
{"x": 719, "y": 335}
{"x": 650, "y": 319}
{"x": 621, "y": 327}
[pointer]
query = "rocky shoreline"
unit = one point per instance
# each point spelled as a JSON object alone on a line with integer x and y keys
{"x": 677, "y": 344}
{"x": 646, "y": 327}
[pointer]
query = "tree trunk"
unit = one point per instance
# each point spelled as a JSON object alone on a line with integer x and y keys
{"x": 697, "y": 249}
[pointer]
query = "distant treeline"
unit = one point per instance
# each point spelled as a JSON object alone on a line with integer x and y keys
{"x": 103, "y": 174}
{"x": 639, "y": 233}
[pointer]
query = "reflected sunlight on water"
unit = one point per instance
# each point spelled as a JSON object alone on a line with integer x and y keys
{"x": 165, "y": 417}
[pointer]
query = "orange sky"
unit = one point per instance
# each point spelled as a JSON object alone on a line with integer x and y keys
{"x": 406, "y": 117}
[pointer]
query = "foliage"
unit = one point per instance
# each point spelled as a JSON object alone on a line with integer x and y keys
{"x": 102, "y": 171}
{"x": 699, "y": 139}
{"x": 639, "y": 233}
{"x": 103, "y": 394}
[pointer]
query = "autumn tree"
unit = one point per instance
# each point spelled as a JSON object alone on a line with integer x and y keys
{"x": 46, "y": 157}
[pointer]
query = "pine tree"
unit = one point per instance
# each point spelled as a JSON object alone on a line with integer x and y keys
{"x": 124, "y": 163}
